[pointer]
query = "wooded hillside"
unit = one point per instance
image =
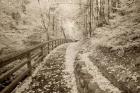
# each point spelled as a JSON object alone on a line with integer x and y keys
{"x": 25, "y": 23}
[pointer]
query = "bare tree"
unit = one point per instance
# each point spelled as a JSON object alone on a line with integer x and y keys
{"x": 43, "y": 21}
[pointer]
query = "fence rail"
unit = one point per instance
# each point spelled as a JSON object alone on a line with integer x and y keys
{"x": 36, "y": 53}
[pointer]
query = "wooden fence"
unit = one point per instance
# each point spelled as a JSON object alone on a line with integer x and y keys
{"x": 36, "y": 53}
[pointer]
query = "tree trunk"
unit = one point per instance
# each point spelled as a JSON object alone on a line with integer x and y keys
{"x": 63, "y": 31}
{"x": 90, "y": 21}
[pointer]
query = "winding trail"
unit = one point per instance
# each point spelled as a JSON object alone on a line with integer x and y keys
{"x": 71, "y": 53}
{"x": 55, "y": 74}
{"x": 98, "y": 82}
{"x": 48, "y": 77}
{"x": 59, "y": 73}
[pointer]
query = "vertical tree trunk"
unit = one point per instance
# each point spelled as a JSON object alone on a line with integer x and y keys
{"x": 97, "y": 10}
{"x": 100, "y": 13}
{"x": 105, "y": 17}
{"x": 90, "y": 21}
{"x": 63, "y": 30}
{"x": 108, "y": 9}
{"x": 86, "y": 22}
{"x": 53, "y": 25}
{"x": 102, "y": 19}
{"x": 64, "y": 33}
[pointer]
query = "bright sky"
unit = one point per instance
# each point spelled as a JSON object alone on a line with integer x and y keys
{"x": 68, "y": 12}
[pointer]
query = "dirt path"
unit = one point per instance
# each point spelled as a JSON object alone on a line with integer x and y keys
{"x": 67, "y": 70}
{"x": 49, "y": 75}
{"x": 71, "y": 53}
{"x": 90, "y": 79}
{"x": 55, "y": 74}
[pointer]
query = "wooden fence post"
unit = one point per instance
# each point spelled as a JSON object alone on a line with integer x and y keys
{"x": 42, "y": 52}
{"x": 48, "y": 47}
{"x": 29, "y": 64}
{"x": 55, "y": 43}
{"x": 59, "y": 42}
{"x": 52, "y": 45}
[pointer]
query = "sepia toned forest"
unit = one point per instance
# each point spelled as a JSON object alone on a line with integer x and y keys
{"x": 28, "y": 20}
{"x": 104, "y": 42}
